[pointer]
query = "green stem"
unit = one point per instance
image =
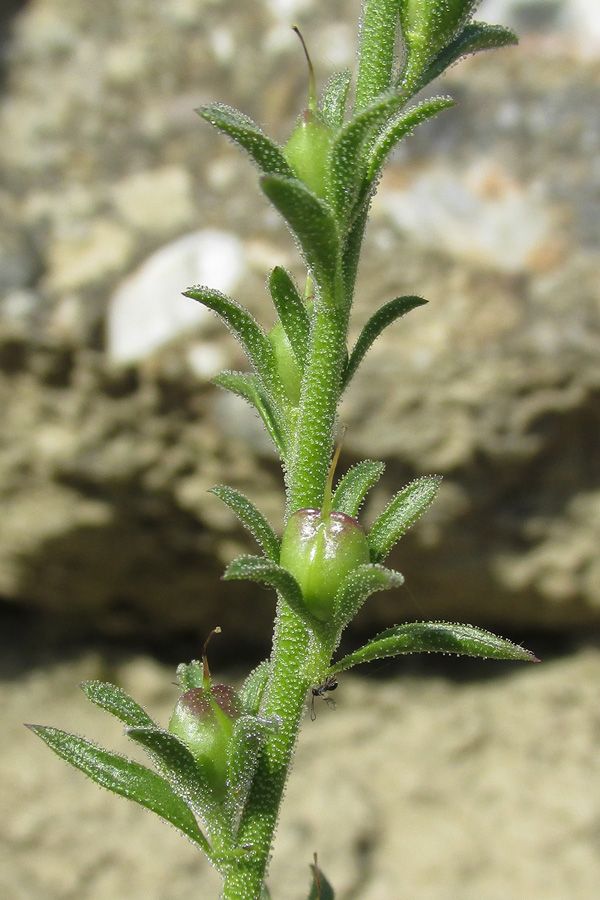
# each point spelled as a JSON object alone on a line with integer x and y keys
{"x": 319, "y": 398}
{"x": 377, "y": 49}
{"x": 299, "y": 656}
{"x": 296, "y": 656}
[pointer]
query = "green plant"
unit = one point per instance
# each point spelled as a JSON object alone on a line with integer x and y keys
{"x": 222, "y": 764}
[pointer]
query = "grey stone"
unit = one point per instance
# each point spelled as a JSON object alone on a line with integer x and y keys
{"x": 104, "y": 511}
{"x": 148, "y": 310}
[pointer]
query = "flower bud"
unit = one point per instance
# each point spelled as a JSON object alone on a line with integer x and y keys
{"x": 288, "y": 369}
{"x": 320, "y": 549}
{"x": 307, "y": 149}
{"x": 204, "y": 720}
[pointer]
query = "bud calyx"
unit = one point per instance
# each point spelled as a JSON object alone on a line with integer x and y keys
{"x": 320, "y": 549}
{"x": 203, "y": 720}
{"x": 307, "y": 150}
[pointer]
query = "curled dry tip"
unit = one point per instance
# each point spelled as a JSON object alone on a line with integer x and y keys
{"x": 206, "y": 671}
{"x": 312, "y": 90}
{"x": 303, "y": 42}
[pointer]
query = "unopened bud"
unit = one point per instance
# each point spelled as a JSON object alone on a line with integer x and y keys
{"x": 320, "y": 550}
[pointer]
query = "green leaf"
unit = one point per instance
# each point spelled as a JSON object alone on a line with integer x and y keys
{"x": 190, "y": 675}
{"x": 179, "y": 767}
{"x": 253, "y": 688}
{"x": 352, "y": 247}
{"x": 352, "y": 488}
{"x": 428, "y": 26}
{"x": 358, "y": 586}
{"x": 379, "y": 28}
{"x": 267, "y": 155}
{"x": 434, "y": 637}
{"x": 474, "y": 37}
{"x": 250, "y": 388}
{"x": 124, "y": 777}
{"x": 402, "y": 511}
{"x": 257, "y": 568}
{"x": 242, "y": 759}
{"x": 348, "y": 159}
{"x": 312, "y": 223}
{"x": 398, "y": 128}
{"x": 292, "y": 312}
{"x": 251, "y": 517}
{"x": 384, "y": 316}
{"x": 333, "y": 102}
{"x": 247, "y": 332}
{"x": 114, "y": 700}
{"x": 320, "y": 888}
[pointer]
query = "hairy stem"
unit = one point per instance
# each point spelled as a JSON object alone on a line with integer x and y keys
{"x": 294, "y": 657}
{"x": 377, "y": 45}
{"x": 318, "y": 405}
{"x": 298, "y": 654}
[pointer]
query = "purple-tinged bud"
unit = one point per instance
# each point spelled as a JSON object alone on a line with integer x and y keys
{"x": 203, "y": 720}
{"x": 320, "y": 550}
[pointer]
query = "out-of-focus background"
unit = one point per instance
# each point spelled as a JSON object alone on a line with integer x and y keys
{"x": 435, "y": 779}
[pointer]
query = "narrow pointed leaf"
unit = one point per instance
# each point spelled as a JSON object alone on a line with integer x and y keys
{"x": 352, "y": 247}
{"x": 253, "y": 688}
{"x": 399, "y": 128}
{"x": 474, "y": 37}
{"x": 242, "y": 759}
{"x": 249, "y": 387}
{"x": 352, "y": 488}
{"x": 114, "y": 700}
{"x": 434, "y": 637}
{"x": 291, "y": 311}
{"x": 333, "y": 102}
{"x": 384, "y": 316}
{"x": 246, "y": 330}
{"x": 379, "y": 27}
{"x": 257, "y": 568}
{"x": 358, "y": 586}
{"x": 312, "y": 223}
{"x": 320, "y": 888}
{"x": 349, "y": 156}
{"x": 179, "y": 767}
{"x": 402, "y": 511}
{"x": 264, "y": 152}
{"x": 124, "y": 777}
{"x": 251, "y": 517}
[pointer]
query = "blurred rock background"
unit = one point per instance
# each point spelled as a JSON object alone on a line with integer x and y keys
{"x": 114, "y": 198}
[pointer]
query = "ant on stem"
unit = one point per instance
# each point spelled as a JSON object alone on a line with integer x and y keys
{"x": 320, "y": 690}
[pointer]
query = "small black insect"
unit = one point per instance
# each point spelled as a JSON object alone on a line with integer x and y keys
{"x": 320, "y": 690}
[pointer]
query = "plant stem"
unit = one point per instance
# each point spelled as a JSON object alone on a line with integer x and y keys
{"x": 377, "y": 49}
{"x": 318, "y": 405}
{"x": 295, "y": 656}
{"x": 298, "y": 655}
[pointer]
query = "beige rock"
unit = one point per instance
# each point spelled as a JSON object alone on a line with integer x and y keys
{"x": 494, "y": 385}
{"x": 158, "y": 201}
{"x": 88, "y": 256}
